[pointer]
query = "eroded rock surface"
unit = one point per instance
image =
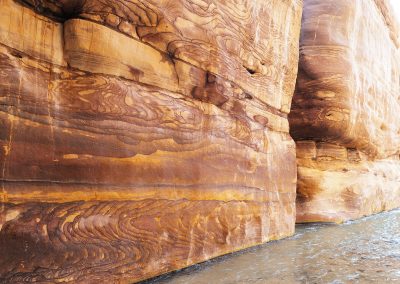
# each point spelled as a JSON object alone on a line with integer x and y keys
{"x": 336, "y": 183}
{"x": 347, "y": 94}
{"x": 140, "y": 137}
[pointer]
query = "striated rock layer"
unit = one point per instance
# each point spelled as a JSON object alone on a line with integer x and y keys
{"x": 140, "y": 137}
{"x": 337, "y": 183}
{"x": 347, "y": 94}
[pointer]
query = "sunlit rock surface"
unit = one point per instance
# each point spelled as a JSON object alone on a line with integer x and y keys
{"x": 139, "y": 137}
{"x": 337, "y": 184}
{"x": 345, "y": 111}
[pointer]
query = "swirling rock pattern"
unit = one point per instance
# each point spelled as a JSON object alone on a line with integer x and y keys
{"x": 253, "y": 43}
{"x": 347, "y": 94}
{"x": 348, "y": 84}
{"x": 121, "y": 160}
{"x": 117, "y": 241}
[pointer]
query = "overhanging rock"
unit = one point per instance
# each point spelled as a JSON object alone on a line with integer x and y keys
{"x": 346, "y": 102}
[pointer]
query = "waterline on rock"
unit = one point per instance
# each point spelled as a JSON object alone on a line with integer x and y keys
{"x": 365, "y": 250}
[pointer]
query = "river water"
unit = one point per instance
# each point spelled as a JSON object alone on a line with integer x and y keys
{"x": 363, "y": 251}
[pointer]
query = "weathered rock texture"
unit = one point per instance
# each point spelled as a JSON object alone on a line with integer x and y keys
{"x": 337, "y": 183}
{"x": 139, "y": 137}
{"x": 347, "y": 94}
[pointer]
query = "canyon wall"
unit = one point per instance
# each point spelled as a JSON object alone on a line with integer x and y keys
{"x": 140, "y": 137}
{"x": 345, "y": 112}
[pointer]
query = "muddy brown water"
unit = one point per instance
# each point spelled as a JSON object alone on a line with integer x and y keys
{"x": 363, "y": 251}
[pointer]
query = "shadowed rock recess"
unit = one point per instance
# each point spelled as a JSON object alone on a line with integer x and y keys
{"x": 138, "y": 137}
{"x": 345, "y": 112}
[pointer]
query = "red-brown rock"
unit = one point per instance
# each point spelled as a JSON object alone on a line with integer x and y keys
{"x": 128, "y": 151}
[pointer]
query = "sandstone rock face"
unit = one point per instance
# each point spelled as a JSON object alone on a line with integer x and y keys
{"x": 337, "y": 183}
{"x": 347, "y": 94}
{"x": 140, "y": 137}
{"x": 252, "y": 43}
